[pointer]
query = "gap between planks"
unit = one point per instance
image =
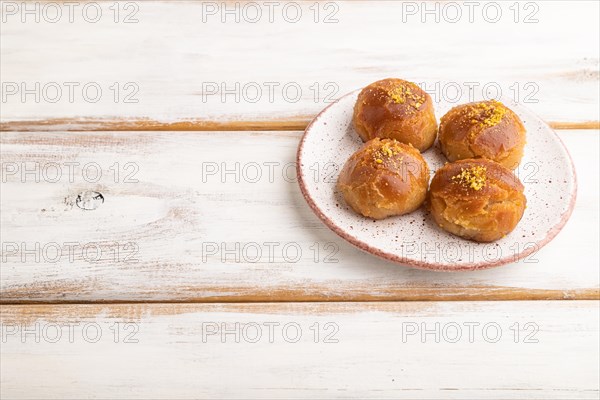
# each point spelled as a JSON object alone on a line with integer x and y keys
{"x": 406, "y": 295}
{"x": 298, "y": 123}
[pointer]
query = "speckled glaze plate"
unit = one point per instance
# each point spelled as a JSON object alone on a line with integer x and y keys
{"x": 414, "y": 240}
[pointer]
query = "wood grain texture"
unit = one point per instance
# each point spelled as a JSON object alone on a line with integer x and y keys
{"x": 369, "y": 350}
{"x": 136, "y": 125}
{"x": 219, "y": 217}
{"x": 182, "y": 77}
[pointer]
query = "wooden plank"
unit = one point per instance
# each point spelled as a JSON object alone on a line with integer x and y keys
{"x": 515, "y": 350}
{"x": 206, "y": 73}
{"x": 209, "y": 217}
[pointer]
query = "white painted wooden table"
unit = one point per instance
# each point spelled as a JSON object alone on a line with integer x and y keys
{"x": 203, "y": 274}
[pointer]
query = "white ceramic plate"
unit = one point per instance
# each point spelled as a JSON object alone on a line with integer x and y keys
{"x": 413, "y": 239}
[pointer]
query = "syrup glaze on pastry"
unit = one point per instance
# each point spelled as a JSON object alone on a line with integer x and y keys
{"x": 384, "y": 178}
{"x": 476, "y": 199}
{"x": 486, "y": 129}
{"x": 396, "y": 109}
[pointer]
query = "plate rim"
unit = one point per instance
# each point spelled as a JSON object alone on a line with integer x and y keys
{"x": 427, "y": 265}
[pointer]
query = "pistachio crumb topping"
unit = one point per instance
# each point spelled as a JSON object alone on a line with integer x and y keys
{"x": 402, "y": 93}
{"x": 487, "y": 114}
{"x": 473, "y": 177}
{"x": 385, "y": 152}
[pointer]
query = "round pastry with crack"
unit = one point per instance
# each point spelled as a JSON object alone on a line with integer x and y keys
{"x": 396, "y": 109}
{"x": 476, "y": 199}
{"x": 384, "y": 178}
{"x": 486, "y": 129}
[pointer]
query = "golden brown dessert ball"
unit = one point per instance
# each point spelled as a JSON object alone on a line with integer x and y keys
{"x": 476, "y": 199}
{"x": 486, "y": 129}
{"x": 396, "y": 109}
{"x": 384, "y": 178}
